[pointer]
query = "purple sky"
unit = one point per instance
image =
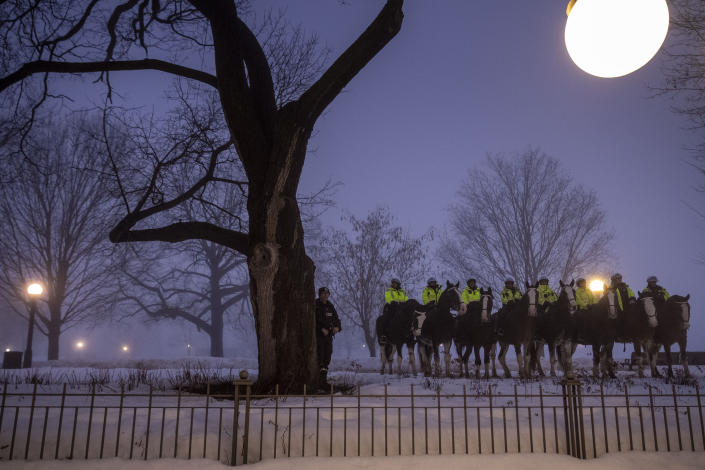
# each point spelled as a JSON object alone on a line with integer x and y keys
{"x": 471, "y": 77}
{"x": 467, "y": 78}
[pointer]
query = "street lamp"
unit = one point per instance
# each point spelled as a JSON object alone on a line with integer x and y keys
{"x": 34, "y": 290}
{"x": 597, "y": 286}
{"x": 80, "y": 345}
{"x": 125, "y": 348}
{"x": 612, "y": 38}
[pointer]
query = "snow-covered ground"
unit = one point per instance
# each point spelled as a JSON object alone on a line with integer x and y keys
{"x": 622, "y": 461}
{"x": 446, "y": 415}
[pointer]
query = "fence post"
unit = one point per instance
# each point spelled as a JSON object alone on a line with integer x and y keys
{"x": 573, "y": 411}
{"x": 243, "y": 380}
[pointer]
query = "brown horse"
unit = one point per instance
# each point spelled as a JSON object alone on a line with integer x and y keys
{"x": 518, "y": 327}
{"x": 596, "y": 326}
{"x": 554, "y": 328}
{"x": 673, "y": 322}
{"x": 475, "y": 330}
{"x": 637, "y": 325}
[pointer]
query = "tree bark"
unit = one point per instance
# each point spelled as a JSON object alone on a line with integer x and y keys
{"x": 53, "y": 334}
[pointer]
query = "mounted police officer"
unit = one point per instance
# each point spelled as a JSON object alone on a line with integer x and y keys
{"x": 546, "y": 295}
{"x": 327, "y": 326}
{"x": 654, "y": 289}
{"x": 583, "y": 296}
{"x": 510, "y": 293}
{"x": 395, "y": 293}
{"x": 432, "y": 292}
{"x": 625, "y": 295}
{"x": 471, "y": 293}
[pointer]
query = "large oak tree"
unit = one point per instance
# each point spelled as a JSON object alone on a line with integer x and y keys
{"x": 43, "y": 38}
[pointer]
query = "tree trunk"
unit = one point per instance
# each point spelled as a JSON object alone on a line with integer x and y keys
{"x": 216, "y": 332}
{"x": 53, "y": 333}
{"x": 281, "y": 274}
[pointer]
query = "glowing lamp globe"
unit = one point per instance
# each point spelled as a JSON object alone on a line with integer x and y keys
{"x": 80, "y": 345}
{"x": 613, "y": 38}
{"x": 597, "y": 285}
{"x": 35, "y": 289}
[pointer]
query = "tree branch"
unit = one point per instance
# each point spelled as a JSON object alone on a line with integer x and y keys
{"x": 376, "y": 36}
{"x": 182, "y": 231}
{"x": 44, "y": 66}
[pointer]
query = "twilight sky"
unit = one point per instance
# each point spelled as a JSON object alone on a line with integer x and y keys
{"x": 463, "y": 79}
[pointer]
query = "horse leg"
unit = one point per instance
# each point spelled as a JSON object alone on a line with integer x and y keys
{"x": 486, "y": 350}
{"x": 436, "y": 360}
{"x": 399, "y": 348}
{"x": 610, "y": 361}
{"x": 552, "y": 357}
{"x": 504, "y": 347}
{"x": 477, "y": 361}
{"x": 446, "y": 358}
{"x": 520, "y": 360}
{"x": 682, "y": 343}
{"x": 637, "y": 354}
{"x": 382, "y": 357}
{"x": 653, "y": 357}
{"x": 528, "y": 371}
{"x": 639, "y": 358}
{"x": 669, "y": 360}
{"x": 565, "y": 349}
{"x": 538, "y": 348}
{"x": 595, "y": 361}
{"x": 412, "y": 359}
{"x": 493, "y": 357}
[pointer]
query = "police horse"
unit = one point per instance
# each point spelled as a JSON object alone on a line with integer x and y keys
{"x": 436, "y": 327}
{"x": 518, "y": 326}
{"x": 555, "y": 329}
{"x": 394, "y": 330}
{"x": 475, "y": 330}
{"x": 673, "y": 319}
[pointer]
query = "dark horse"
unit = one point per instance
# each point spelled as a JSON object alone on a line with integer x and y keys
{"x": 637, "y": 324}
{"x": 673, "y": 320}
{"x": 394, "y": 330}
{"x": 596, "y": 326}
{"x": 518, "y": 326}
{"x": 554, "y": 327}
{"x": 475, "y": 329}
{"x": 436, "y": 327}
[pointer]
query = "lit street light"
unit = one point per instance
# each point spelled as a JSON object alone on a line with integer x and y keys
{"x": 7, "y": 349}
{"x": 125, "y": 348}
{"x": 80, "y": 345}
{"x": 613, "y": 38}
{"x": 597, "y": 285}
{"x": 34, "y": 290}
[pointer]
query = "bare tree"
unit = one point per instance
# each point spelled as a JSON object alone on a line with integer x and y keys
{"x": 524, "y": 218}
{"x": 208, "y": 283}
{"x": 54, "y": 219}
{"x": 49, "y": 37}
{"x": 684, "y": 72}
{"x": 358, "y": 266}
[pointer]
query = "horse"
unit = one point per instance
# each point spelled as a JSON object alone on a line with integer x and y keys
{"x": 596, "y": 326}
{"x": 475, "y": 329}
{"x": 518, "y": 326}
{"x": 554, "y": 327}
{"x": 394, "y": 330}
{"x": 436, "y": 327}
{"x": 673, "y": 317}
{"x": 637, "y": 324}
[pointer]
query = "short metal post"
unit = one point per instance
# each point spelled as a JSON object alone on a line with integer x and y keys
{"x": 572, "y": 405}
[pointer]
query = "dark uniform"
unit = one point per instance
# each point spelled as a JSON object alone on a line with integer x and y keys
{"x": 326, "y": 318}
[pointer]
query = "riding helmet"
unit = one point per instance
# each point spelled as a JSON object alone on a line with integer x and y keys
{"x": 651, "y": 279}
{"x": 431, "y": 279}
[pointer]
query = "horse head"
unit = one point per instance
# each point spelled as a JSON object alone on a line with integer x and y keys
{"x": 531, "y": 297}
{"x": 486, "y": 299}
{"x": 568, "y": 295}
{"x": 454, "y": 297}
{"x": 611, "y": 298}
{"x": 648, "y": 303}
{"x": 419, "y": 318}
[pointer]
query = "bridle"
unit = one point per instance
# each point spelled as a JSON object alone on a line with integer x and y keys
{"x": 570, "y": 293}
{"x": 531, "y": 293}
{"x": 650, "y": 310}
{"x": 484, "y": 315}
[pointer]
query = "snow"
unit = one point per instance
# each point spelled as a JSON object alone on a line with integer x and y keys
{"x": 620, "y": 461}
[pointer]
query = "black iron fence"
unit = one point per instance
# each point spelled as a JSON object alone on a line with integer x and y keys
{"x": 576, "y": 419}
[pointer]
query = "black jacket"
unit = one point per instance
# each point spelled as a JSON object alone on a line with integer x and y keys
{"x": 326, "y": 316}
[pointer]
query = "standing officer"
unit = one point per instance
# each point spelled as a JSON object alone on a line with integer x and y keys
{"x": 327, "y": 326}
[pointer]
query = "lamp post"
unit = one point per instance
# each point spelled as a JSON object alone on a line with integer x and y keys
{"x": 34, "y": 290}
{"x": 613, "y": 38}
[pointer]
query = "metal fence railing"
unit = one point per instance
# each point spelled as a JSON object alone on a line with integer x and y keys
{"x": 575, "y": 420}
